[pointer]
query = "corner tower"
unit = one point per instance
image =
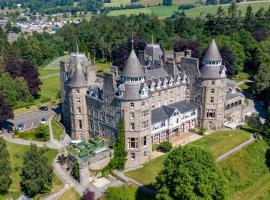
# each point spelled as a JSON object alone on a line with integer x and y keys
{"x": 136, "y": 112}
{"x": 213, "y": 83}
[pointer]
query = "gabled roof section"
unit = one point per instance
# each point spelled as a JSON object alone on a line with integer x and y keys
{"x": 212, "y": 53}
{"x": 133, "y": 67}
{"x": 78, "y": 79}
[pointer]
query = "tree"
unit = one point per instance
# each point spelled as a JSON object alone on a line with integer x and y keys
{"x": 254, "y": 122}
{"x": 5, "y": 166}
{"x": 249, "y": 20}
{"x": 5, "y": 111}
{"x": 120, "y": 154}
{"x": 262, "y": 78}
{"x": 190, "y": 173}
{"x": 27, "y": 70}
{"x": 42, "y": 132}
{"x": 167, "y": 2}
{"x": 88, "y": 194}
{"x": 36, "y": 176}
{"x": 260, "y": 35}
{"x": 75, "y": 171}
{"x": 182, "y": 45}
{"x": 227, "y": 59}
{"x": 165, "y": 146}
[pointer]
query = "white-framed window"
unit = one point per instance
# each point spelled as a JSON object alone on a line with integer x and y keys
{"x": 211, "y": 113}
{"x": 162, "y": 123}
{"x": 153, "y": 105}
{"x": 77, "y": 91}
{"x": 213, "y": 83}
{"x": 132, "y": 126}
{"x": 144, "y": 125}
{"x": 145, "y": 114}
{"x": 133, "y": 143}
{"x": 80, "y": 124}
{"x": 163, "y": 135}
{"x": 79, "y": 110}
{"x": 132, "y": 104}
{"x": 132, "y": 156}
{"x": 132, "y": 115}
{"x": 212, "y": 99}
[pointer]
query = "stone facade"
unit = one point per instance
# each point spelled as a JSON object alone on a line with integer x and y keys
{"x": 160, "y": 96}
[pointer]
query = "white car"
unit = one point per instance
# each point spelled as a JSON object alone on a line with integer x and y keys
{"x": 43, "y": 121}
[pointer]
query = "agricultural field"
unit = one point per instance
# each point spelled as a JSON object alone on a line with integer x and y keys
{"x": 167, "y": 11}
{"x": 218, "y": 143}
{"x": 16, "y": 152}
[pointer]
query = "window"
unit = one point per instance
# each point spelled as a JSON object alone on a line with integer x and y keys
{"x": 212, "y": 91}
{"x": 145, "y": 153}
{"x": 171, "y": 100}
{"x": 132, "y": 115}
{"x": 79, "y": 110}
{"x": 143, "y": 103}
{"x": 144, "y": 125}
{"x": 144, "y": 143}
{"x": 153, "y": 105}
{"x": 159, "y": 94}
{"x": 132, "y": 126}
{"x": 145, "y": 114}
{"x": 78, "y": 100}
{"x": 132, "y": 105}
{"x": 213, "y": 82}
{"x": 171, "y": 91}
{"x": 212, "y": 99}
{"x": 80, "y": 124}
{"x": 162, "y": 124}
{"x": 132, "y": 155}
{"x": 78, "y": 91}
{"x": 211, "y": 113}
{"x": 133, "y": 143}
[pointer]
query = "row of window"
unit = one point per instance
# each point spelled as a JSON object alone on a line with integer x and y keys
{"x": 133, "y": 142}
{"x": 145, "y": 125}
{"x": 133, "y": 155}
{"x": 144, "y": 114}
{"x": 232, "y": 105}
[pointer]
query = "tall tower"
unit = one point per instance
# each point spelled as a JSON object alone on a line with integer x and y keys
{"x": 137, "y": 112}
{"x": 213, "y": 83}
{"x": 78, "y": 108}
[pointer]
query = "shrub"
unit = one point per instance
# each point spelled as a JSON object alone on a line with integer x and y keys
{"x": 165, "y": 146}
{"x": 186, "y": 6}
{"x": 202, "y": 131}
{"x": 155, "y": 147}
{"x": 106, "y": 171}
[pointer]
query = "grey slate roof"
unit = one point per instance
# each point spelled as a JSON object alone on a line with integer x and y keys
{"x": 231, "y": 96}
{"x": 155, "y": 73}
{"x": 133, "y": 67}
{"x": 212, "y": 53}
{"x": 230, "y": 83}
{"x": 154, "y": 51}
{"x": 184, "y": 106}
{"x": 211, "y": 72}
{"x": 78, "y": 79}
{"x": 165, "y": 112}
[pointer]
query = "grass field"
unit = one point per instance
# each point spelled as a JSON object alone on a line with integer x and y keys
{"x": 247, "y": 172}
{"x": 16, "y": 157}
{"x": 58, "y": 130}
{"x": 218, "y": 143}
{"x": 71, "y": 194}
{"x": 31, "y": 135}
{"x": 167, "y": 11}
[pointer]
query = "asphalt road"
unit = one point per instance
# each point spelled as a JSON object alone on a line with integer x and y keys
{"x": 32, "y": 119}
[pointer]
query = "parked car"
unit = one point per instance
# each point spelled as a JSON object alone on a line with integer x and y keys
{"x": 20, "y": 127}
{"x": 43, "y": 121}
{"x": 43, "y": 108}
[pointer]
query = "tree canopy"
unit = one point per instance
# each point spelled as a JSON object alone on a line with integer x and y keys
{"x": 190, "y": 173}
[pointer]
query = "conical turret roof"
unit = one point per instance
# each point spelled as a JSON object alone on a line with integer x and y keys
{"x": 78, "y": 79}
{"x": 212, "y": 53}
{"x": 133, "y": 67}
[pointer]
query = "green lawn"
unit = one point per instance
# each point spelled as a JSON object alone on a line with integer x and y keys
{"x": 16, "y": 152}
{"x": 242, "y": 76}
{"x": 247, "y": 172}
{"x": 31, "y": 135}
{"x": 58, "y": 130}
{"x": 48, "y": 71}
{"x": 166, "y": 11}
{"x": 70, "y": 194}
{"x": 218, "y": 143}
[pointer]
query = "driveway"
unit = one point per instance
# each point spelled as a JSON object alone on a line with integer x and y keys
{"x": 32, "y": 119}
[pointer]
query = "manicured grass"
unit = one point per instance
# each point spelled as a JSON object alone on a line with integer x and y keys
{"x": 58, "y": 130}
{"x": 146, "y": 175}
{"x": 242, "y": 76}
{"x": 167, "y": 11}
{"x": 17, "y": 152}
{"x": 218, "y": 143}
{"x": 70, "y": 194}
{"x": 247, "y": 172}
{"x": 31, "y": 135}
{"x": 127, "y": 192}
{"x": 222, "y": 141}
{"x": 43, "y": 72}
